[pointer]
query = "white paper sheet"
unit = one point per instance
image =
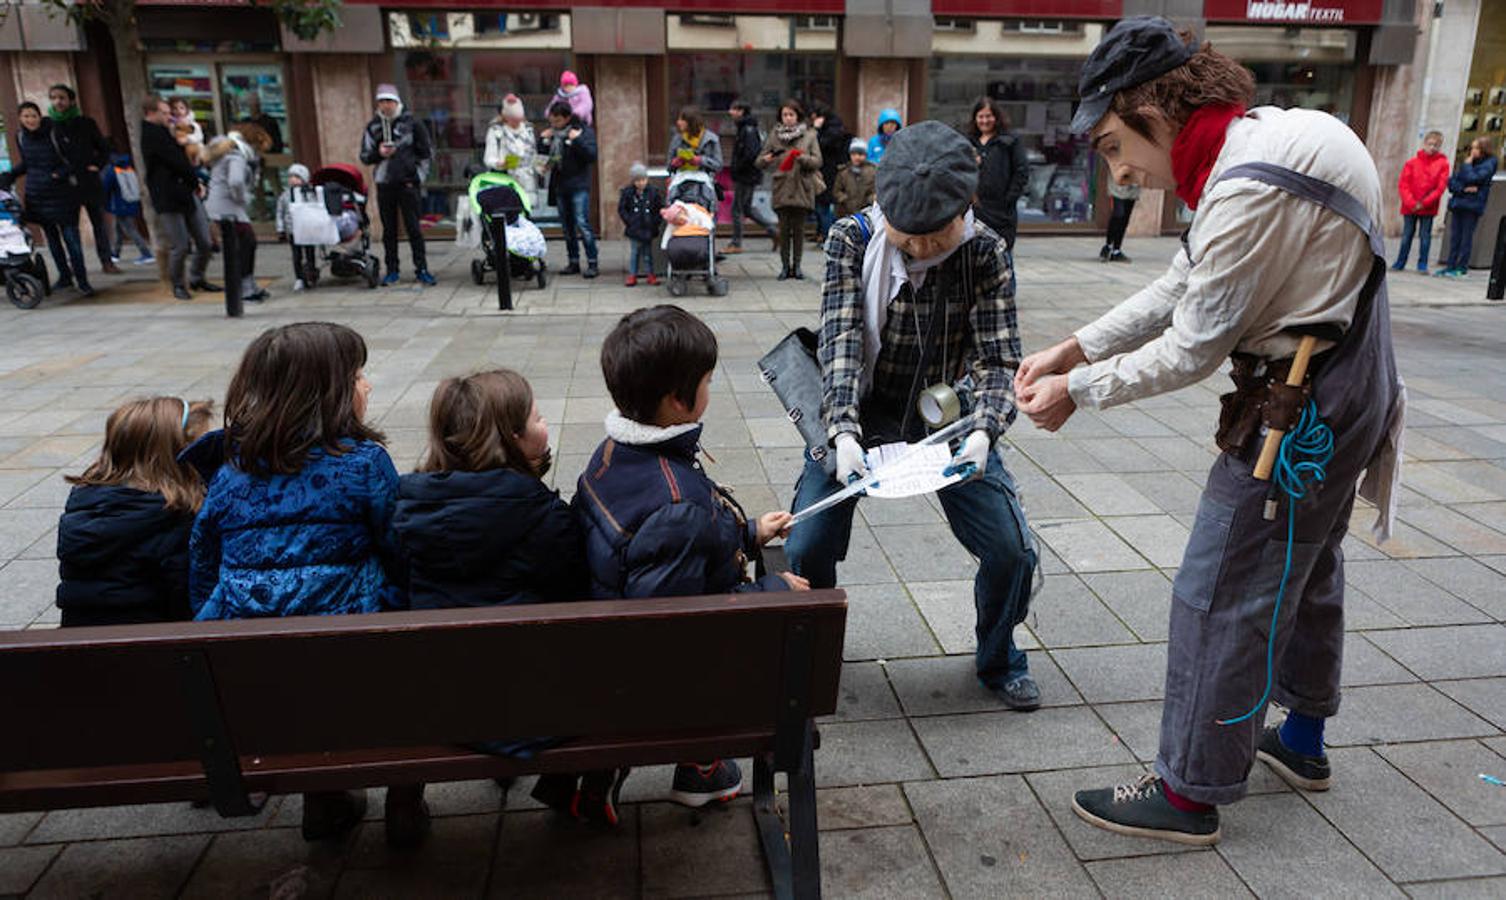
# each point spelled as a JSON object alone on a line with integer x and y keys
{"x": 903, "y": 470}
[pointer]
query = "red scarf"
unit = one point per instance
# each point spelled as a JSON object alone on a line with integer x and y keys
{"x": 1196, "y": 148}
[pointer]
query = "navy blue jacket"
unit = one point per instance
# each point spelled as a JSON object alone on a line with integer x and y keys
{"x": 1470, "y": 174}
{"x": 656, "y": 526}
{"x": 640, "y": 212}
{"x": 572, "y": 171}
{"x": 122, "y": 557}
{"x": 52, "y": 196}
{"x": 485, "y": 539}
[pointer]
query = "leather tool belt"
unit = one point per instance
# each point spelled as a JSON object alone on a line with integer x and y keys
{"x": 1261, "y": 397}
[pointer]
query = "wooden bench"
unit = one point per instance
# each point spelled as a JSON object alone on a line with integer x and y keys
{"x": 220, "y": 711}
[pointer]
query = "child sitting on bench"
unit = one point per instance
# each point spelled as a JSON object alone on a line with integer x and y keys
{"x": 655, "y": 524}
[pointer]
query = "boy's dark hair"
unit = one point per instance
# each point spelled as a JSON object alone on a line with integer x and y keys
{"x": 294, "y": 392}
{"x": 741, "y": 107}
{"x": 653, "y": 353}
{"x": 562, "y": 109}
{"x": 72, "y": 94}
{"x": 1209, "y": 78}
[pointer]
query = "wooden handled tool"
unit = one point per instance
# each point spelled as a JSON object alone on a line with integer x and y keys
{"x": 1272, "y": 445}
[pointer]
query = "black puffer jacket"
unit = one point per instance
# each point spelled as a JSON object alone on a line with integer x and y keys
{"x": 122, "y": 557}
{"x": 745, "y": 149}
{"x": 1002, "y": 178}
{"x": 833, "y": 138}
{"x": 486, "y": 539}
{"x": 51, "y": 196}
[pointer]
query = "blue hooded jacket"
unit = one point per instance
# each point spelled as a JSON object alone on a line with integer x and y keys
{"x": 1468, "y": 174}
{"x": 880, "y": 141}
{"x": 317, "y": 542}
{"x": 655, "y": 524}
{"x": 115, "y": 204}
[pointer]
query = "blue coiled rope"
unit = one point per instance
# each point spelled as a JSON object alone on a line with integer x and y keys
{"x": 1301, "y": 462}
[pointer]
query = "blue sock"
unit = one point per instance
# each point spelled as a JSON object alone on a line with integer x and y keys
{"x": 1302, "y": 734}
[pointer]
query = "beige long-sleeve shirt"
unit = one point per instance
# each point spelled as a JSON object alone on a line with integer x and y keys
{"x": 1259, "y": 260}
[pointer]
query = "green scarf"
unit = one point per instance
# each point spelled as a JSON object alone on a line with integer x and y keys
{"x": 71, "y": 112}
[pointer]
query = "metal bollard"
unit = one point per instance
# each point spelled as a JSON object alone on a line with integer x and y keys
{"x": 230, "y": 251}
{"x": 1496, "y": 289}
{"x": 504, "y": 271}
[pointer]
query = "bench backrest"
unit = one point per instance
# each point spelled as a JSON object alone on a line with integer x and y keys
{"x": 138, "y": 694}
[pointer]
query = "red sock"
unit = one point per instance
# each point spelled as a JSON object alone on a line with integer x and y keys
{"x": 1182, "y": 803}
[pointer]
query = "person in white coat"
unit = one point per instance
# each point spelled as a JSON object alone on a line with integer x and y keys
{"x": 511, "y": 146}
{"x": 233, "y": 175}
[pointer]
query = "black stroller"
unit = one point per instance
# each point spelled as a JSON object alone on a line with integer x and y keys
{"x": 693, "y": 257}
{"x": 497, "y": 197}
{"x": 344, "y": 190}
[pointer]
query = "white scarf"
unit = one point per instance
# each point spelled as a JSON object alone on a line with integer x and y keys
{"x": 886, "y": 269}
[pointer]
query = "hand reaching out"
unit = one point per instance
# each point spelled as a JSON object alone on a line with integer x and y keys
{"x": 1055, "y": 360}
{"x": 795, "y": 582}
{"x": 772, "y": 525}
{"x": 1047, "y": 402}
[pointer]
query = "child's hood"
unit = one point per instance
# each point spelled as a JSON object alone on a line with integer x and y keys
{"x": 121, "y": 160}
{"x": 101, "y": 521}
{"x": 463, "y": 521}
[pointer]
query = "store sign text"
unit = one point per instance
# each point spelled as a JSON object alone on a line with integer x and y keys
{"x": 1293, "y": 12}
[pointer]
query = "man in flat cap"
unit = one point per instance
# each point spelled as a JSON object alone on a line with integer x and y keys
{"x": 1282, "y": 258}
{"x": 917, "y": 294}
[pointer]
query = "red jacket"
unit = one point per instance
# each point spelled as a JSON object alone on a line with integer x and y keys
{"x": 1422, "y": 181}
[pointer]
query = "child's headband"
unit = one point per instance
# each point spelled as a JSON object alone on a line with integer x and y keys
{"x": 184, "y": 426}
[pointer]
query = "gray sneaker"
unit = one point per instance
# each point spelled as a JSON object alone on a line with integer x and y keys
{"x": 1141, "y": 809}
{"x": 1020, "y": 693}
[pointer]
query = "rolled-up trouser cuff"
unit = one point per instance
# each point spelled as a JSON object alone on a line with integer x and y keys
{"x": 1325, "y": 708}
{"x": 1215, "y": 794}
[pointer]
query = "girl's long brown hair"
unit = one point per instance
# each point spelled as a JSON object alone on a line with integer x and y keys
{"x": 474, "y": 423}
{"x": 142, "y": 441}
{"x": 294, "y": 392}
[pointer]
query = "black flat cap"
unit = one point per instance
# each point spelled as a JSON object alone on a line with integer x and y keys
{"x": 927, "y": 178}
{"x": 1135, "y": 50}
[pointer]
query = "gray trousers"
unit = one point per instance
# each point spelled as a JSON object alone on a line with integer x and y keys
{"x": 1226, "y": 588}
{"x": 180, "y": 230}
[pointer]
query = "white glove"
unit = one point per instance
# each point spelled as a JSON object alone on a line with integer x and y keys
{"x": 972, "y": 457}
{"x": 851, "y": 464}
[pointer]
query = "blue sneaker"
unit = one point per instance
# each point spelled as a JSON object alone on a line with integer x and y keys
{"x": 391, "y": 279}
{"x": 696, "y": 785}
{"x": 423, "y": 277}
{"x": 1422, "y": 270}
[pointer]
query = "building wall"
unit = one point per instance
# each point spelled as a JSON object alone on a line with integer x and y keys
{"x": 881, "y": 83}
{"x": 621, "y": 137}
{"x": 1395, "y": 130}
{"x": 35, "y": 72}
{"x": 343, "y": 103}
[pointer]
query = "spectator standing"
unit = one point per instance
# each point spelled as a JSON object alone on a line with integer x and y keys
{"x": 638, "y": 206}
{"x": 255, "y": 116}
{"x": 794, "y": 155}
{"x": 51, "y": 194}
{"x": 577, "y": 95}
{"x": 173, "y": 185}
{"x": 572, "y": 153}
{"x": 1003, "y": 172}
{"x": 1423, "y": 180}
{"x": 232, "y": 183}
{"x": 833, "y": 137}
{"x": 694, "y": 147}
{"x": 511, "y": 146}
{"x": 854, "y": 188}
{"x": 88, "y": 154}
{"x": 888, "y": 123}
{"x": 746, "y": 176}
{"x": 1124, "y": 196}
{"x": 123, "y": 202}
{"x": 398, "y": 145}
{"x": 1469, "y": 188}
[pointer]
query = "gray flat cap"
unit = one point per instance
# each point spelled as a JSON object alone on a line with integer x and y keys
{"x": 927, "y": 178}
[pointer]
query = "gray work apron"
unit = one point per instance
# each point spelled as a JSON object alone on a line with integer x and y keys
{"x": 1223, "y": 593}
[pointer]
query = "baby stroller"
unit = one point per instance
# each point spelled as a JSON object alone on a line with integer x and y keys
{"x": 693, "y": 258}
{"x": 497, "y": 195}
{"x": 26, "y": 281}
{"x": 330, "y": 214}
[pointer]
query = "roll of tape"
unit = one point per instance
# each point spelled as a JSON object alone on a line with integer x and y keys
{"x": 938, "y": 405}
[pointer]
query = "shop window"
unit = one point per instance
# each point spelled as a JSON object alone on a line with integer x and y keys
{"x": 955, "y": 26}
{"x": 1307, "y": 68}
{"x": 1041, "y": 26}
{"x": 1039, "y": 96}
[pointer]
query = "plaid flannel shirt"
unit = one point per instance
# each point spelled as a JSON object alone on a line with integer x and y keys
{"x": 982, "y": 346}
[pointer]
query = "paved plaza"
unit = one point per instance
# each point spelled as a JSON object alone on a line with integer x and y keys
{"x": 928, "y": 787}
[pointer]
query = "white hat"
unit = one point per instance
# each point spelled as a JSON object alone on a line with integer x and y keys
{"x": 388, "y": 92}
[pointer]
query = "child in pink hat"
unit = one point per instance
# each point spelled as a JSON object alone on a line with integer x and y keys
{"x": 571, "y": 91}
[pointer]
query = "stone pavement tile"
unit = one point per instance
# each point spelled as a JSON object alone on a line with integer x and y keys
{"x": 1067, "y": 614}
{"x": 1465, "y": 889}
{"x": 1406, "y": 542}
{"x": 1464, "y": 651}
{"x": 59, "y": 450}
{"x": 1058, "y": 456}
{"x": 1364, "y": 664}
{"x": 1089, "y": 546}
{"x": 861, "y": 807}
{"x": 1496, "y": 835}
{"x": 1401, "y": 829}
{"x": 1436, "y": 482}
{"x": 1478, "y": 585}
{"x": 1486, "y": 697}
{"x": 1119, "y": 455}
{"x": 947, "y": 607}
{"x": 1105, "y": 494}
{"x": 882, "y": 623}
{"x": 1455, "y": 529}
{"x": 1116, "y": 674}
{"x": 1396, "y": 713}
{"x": 1280, "y": 847}
{"x": 1407, "y": 594}
{"x": 1184, "y": 876}
{"x": 865, "y": 694}
{"x": 415, "y": 882}
{"x": 141, "y": 821}
{"x": 1136, "y": 725}
{"x": 15, "y": 826}
{"x": 51, "y": 491}
{"x": 688, "y": 852}
{"x": 139, "y": 869}
{"x": 266, "y": 862}
{"x": 28, "y": 588}
{"x": 1492, "y": 513}
{"x": 865, "y": 562}
{"x": 1002, "y": 742}
{"x": 878, "y": 864}
{"x": 1042, "y": 497}
{"x": 880, "y": 752}
{"x": 1160, "y": 538}
{"x": 991, "y": 838}
{"x": 736, "y": 466}
{"x": 20, "y": 528}
{"x": 456, "y": 841}
{"x": 16, "y": 482}
{"x": 898, "y": 511}
{"x": 1055, "y": 790}
{"x": 943, "y": 685}
{"x": 540, "y": 854}
{"x": 20, "y": 867}
{"x": 924, "y": 552}
{"x": 1172, "y": 492}
{"x": 1142, "y": 600}
{"x": 1363, "y": 614}
{"x": 1450, "y": 772}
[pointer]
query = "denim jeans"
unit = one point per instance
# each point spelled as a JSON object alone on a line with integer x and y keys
{"x": 67, "y": 252}
{"x": 642, "y": 251}
{"x": 574, "y": 207}
{"x": 1461, "y": 239}
{"x": 127, "y": 229}
{"x": 985, "y": 516}
{"x": 826, "y": 213}
{"x": 1424, "y": 226}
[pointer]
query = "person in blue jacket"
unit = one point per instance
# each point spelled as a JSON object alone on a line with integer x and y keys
{"x": 888, "y": 123}
{"x": 1469, "y": 188}
{"x": 655, "y": 524}
{"x": 123, "y": 202}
